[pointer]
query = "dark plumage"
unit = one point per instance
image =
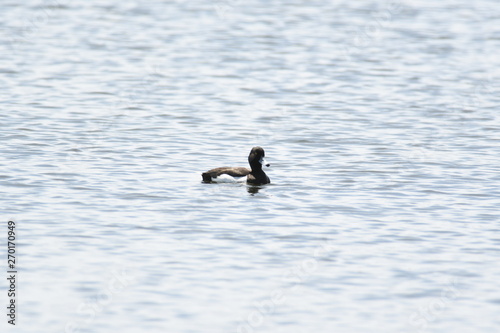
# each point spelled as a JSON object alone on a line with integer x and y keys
{"x": 255, "y": 175}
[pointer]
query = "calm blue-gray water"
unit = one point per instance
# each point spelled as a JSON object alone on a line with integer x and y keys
{"x": 380, "y": 121}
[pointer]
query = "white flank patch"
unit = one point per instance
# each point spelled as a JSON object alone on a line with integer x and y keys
{"x": 229, "y": 179}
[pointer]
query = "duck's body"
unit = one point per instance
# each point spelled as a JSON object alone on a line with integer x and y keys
{"x": 255, "y": 175}
{"x": 226, "y": 174}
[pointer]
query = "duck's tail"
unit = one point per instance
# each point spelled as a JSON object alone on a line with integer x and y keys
{"x": 206, "y": 177}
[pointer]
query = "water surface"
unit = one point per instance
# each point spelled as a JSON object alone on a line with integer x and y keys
{"x": 380, "y": 122}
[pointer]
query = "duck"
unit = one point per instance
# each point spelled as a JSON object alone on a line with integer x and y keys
{"x": 255, "y": 175}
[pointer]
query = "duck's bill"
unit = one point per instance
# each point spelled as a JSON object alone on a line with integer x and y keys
{"x": 264, "y": 162}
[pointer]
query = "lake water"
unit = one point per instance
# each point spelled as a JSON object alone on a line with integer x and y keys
{"x": 380, "y": 121}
